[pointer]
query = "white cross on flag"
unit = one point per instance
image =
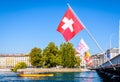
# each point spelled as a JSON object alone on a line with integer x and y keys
{"x": 69, "y": 25}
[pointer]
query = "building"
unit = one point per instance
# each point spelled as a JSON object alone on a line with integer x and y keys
{"x": 9, "y": 61}
{"x": 100, "y": 58}
{"x": 97, "y": 59}
{"x": 83, "y": 62}
{"x": 113, "y": 52}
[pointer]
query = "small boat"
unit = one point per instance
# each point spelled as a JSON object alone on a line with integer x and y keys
{"x": 30, "y": 74}
{"x": 35, "y": 75}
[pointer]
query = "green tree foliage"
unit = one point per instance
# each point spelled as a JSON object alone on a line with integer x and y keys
{"x": 67, "y": 55}
{"x": 36, "y": 57}
{"x": 50, "y": 55}
{"x": 19, "y": 65}
{"x": 78, "y": 61}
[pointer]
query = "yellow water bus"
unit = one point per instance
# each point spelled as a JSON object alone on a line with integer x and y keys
{"x": 35, "y": 74}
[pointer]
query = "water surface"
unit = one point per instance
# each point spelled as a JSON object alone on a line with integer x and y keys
{"x": 58, "y": 77}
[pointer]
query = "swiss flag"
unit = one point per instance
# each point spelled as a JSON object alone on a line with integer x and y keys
{"x": 69, "y": 25}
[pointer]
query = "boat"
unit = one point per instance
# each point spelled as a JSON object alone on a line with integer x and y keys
{"x": 35, "y": 75}
{"x": 29, "y": 74}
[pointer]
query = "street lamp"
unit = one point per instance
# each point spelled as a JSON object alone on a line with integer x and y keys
{"x": 111, "y": 43}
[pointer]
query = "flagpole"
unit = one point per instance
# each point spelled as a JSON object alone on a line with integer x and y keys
{"x": 86, "y": 29}
{"x": 119, "y": 38}
{"x": 98, "y": 46}
{"x": 89, "y": 34}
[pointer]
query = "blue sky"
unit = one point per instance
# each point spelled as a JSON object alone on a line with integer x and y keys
{"x": 25, "y": 24}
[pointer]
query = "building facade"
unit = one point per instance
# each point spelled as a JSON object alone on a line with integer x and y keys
{"x": 9, "y": 61}
{"x": 112, "y": 52}
{"x": 100, "y": 58}
{"x": 97, "y": 59}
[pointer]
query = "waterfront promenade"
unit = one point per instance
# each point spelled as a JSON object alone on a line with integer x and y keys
{"x": 5, "y": 70}
{"x": 48, "y": 70}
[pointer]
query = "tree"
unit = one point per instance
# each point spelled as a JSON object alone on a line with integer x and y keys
{"x": 50, "y": 54}
{"x": 78, "y": 61}
{"x": 36, "y": 57}
{"x": 19, "y": 65}
{"x": 67, "y": 52}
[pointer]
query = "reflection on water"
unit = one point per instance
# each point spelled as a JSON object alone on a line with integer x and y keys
{"x": 33, "y": 78}
{"x": 58, "y": 77}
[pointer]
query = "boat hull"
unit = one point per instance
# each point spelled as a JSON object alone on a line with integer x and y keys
{"x": 34, "y": 75}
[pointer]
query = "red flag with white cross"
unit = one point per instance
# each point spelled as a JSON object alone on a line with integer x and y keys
{"x": 69, "y": 25}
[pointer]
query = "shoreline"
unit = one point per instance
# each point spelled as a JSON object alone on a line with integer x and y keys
{"x": 41, "y": 70}
{"x": 48, "y": 70}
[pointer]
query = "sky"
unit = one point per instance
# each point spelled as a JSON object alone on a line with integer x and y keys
{"x": 25, "y": 24}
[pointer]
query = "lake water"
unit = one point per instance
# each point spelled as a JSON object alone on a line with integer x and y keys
{"x": 58, "y": 77}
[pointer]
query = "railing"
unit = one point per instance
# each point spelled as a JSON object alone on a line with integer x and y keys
{"x": 115, "y": 61}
